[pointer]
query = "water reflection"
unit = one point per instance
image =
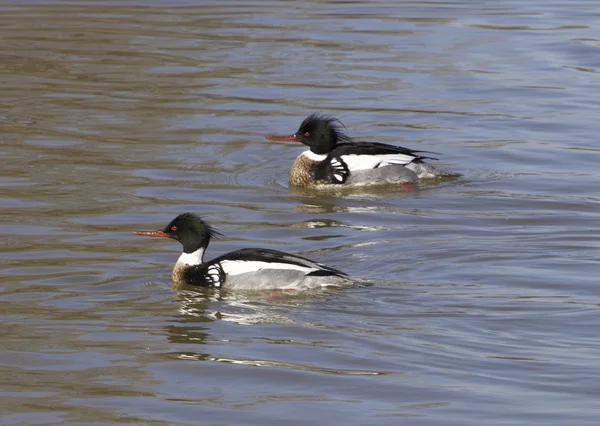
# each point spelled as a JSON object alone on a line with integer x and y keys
{"x": 242, "y": 307}
{"x": 200, "y": 309}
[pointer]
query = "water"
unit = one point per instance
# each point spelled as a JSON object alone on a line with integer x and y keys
{"x": 117, "y": 116}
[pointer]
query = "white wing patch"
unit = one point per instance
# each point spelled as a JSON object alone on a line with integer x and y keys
{"x": 365, "y": 162}
{"x": 236, "y": 267}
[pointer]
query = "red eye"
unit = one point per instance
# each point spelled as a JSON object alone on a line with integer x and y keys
{"x": 307, "y": 134}
{"x": 173, "y": 228}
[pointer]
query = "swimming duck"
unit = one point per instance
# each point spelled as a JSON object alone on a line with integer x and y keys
{"x": 249, "y": 268}
{"x": 336, "y": 159}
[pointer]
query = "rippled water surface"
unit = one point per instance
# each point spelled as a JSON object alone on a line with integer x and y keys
{"x": 115, "y": 116}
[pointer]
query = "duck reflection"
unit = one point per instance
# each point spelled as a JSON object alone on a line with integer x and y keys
{"x": 244, "y": 308}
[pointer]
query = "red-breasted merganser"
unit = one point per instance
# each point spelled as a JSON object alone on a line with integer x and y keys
{"x": 334, "y": 158}
{"x": 250, "y": 268}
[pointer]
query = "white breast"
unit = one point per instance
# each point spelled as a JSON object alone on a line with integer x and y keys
{"x": 365, "y": 162}
{"x": 237, "y": 267}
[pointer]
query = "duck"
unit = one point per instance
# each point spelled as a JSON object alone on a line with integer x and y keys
{"x": 245, "y": 269}
{"x": 334, "y": 158}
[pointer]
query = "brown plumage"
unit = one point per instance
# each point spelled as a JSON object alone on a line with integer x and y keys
{"x": 177, "y": 278}
{"x": 302, "y": 173}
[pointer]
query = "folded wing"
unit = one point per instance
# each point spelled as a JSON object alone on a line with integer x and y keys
{"x": 256, "y": 259}
{"x": 371, "y": 155}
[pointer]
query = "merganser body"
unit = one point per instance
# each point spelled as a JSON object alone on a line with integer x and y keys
{"x": 249, "y": 268}
{"x": 336, "y": 159}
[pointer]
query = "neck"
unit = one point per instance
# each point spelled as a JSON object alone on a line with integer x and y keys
{"x": 314, "y": 157}
{"x": 191, "y": 259}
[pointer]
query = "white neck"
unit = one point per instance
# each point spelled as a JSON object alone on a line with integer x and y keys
{"x": 191, "y": 259}
{"x": 315, "y": 157}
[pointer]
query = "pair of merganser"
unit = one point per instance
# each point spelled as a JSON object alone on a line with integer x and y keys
{"x": 333, "y": 159}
